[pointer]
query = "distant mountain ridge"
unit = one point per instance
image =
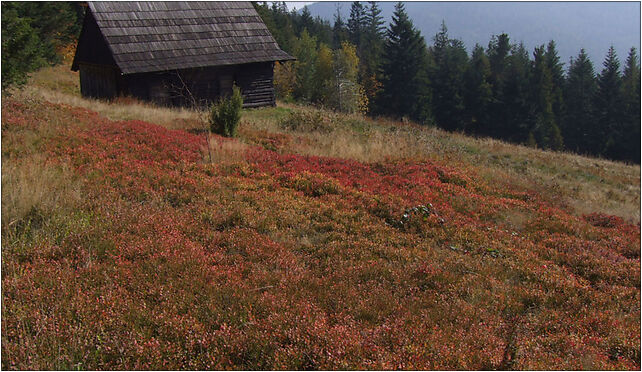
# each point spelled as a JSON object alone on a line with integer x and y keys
{"x": 594, "y": 26}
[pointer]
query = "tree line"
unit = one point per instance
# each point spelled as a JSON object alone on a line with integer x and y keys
{"x": 501, "y": 90}
{"x": 361, "y": 65}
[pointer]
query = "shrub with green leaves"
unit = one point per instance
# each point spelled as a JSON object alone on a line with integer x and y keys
{"x": 307, "y": 121}
{"x": 226, "y": 114}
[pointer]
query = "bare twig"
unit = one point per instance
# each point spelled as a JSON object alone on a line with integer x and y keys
{"x": 202, "y": 115}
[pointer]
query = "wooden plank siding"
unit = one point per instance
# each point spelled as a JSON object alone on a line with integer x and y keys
{"x": 98, "y": 81}
{"x": 201, "y": 86}
{"x": 257, "y": 85}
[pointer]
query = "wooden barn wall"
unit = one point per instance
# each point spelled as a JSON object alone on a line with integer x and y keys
{"x": 98, "y": 81}
{"x": 256, "y": 81}
{"x": 205, "y": 85}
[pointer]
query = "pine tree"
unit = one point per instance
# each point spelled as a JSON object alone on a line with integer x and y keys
{"x": 579, "y": 91}
{"x": 517, "y": 98}
{"x": 608, "y": 107}
{"x": 405, "y": 88}
{"x": 629, "y": 141}
{"x": 478, "y": 92}
{"x": 265, "y": 13}
{"x": 56, "y": 23}
{"x": 448, "y": 60}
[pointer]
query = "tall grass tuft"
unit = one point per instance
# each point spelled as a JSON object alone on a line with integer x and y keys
{"x": 32, "y": 191}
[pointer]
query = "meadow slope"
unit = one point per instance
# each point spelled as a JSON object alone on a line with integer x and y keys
{"x": 130, "y": 241}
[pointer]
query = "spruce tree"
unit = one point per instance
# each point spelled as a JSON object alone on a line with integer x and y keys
{"x": 31, "y": 34}
{"x": 21, "y": 52}
{"x": 579, "y": 121}
{"x": 629, "y": 140}
{"x": 323, "y": 30}
{"x": 608, "y": 107}
{"x": 498, "y": 57}
{"x": 374, "y": 21}
{"x": 371, "y": 52}
{"x": 285, "y": 36}
{"x": 305, "y": 21}
{"x": 478, "y": 92}
{"x": 448, "y": 60}
{"x": 57, "y": 23}
{"x": 405, "y": 88}
{"x": 373, "y": 37}
{"x": 306, "y": 53}
{"x": 357, "y": 25}
{"x": 512, "y": 108}
{"x": 556, "y": 69}
{"x": 499, "y": 49}
{"x": 265, "y": 13}
{"x": 544, "y": 128}
{"x": 339, "y": 31}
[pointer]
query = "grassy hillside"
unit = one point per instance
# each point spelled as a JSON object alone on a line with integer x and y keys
{"x": 315, "y": 240}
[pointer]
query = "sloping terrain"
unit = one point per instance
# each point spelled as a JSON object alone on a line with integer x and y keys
{"x": 128, "y": 245}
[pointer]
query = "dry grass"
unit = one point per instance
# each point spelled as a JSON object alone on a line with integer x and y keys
{"x": 343, "y": 145}
{"x": 33, "y": 190}
{"x": 60, "y": 85}
{"x": 582, "y": 184}
{"x": 226, "y": 151}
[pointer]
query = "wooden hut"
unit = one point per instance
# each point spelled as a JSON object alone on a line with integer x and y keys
{"x": 176, "y": 53}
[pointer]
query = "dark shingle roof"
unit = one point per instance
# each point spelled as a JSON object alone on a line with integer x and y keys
{"x": 159, "y": 36}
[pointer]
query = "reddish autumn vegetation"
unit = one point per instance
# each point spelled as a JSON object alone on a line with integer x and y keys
{"x": 163, "y": 260}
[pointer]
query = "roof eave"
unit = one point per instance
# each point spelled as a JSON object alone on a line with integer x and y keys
{"x": 152, "y": 69}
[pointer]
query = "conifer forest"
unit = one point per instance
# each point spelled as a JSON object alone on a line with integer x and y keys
{"x": 500, "y": 90}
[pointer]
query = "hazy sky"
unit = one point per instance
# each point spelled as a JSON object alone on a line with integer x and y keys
{"x": 297, "y": 4}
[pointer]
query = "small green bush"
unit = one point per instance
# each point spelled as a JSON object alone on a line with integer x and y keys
{"x": 304, "y": 121}
{"x": 226, "y": 114}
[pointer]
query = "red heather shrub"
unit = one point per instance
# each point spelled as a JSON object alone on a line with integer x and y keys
{"x": 300, "y": 262}
{"x": 311, "y": 184}
{"x": 603, "y": 220}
